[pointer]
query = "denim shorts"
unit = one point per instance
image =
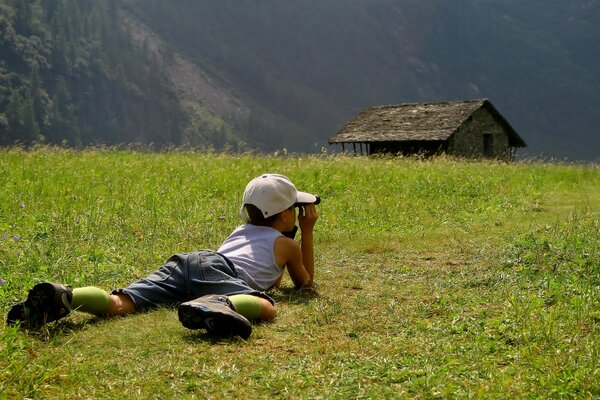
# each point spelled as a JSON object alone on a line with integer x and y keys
{"x": 187, "y": 276}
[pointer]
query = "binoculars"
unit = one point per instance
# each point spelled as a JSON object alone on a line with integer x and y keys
{"x": 317, "y": 201}
{"x": 292, "y": 234}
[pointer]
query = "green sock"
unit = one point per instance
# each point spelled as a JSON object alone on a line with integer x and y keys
{"x": 247, "y": 305}
{"x": 90, "y": 299}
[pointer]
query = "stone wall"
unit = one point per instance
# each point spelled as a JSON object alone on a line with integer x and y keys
{"x": 468, "y": 141}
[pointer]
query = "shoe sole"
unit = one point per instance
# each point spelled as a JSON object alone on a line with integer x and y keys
{"x": 16, "y": 314}
{"x": 40, "y": 307}
{"x": 216, "y": 323}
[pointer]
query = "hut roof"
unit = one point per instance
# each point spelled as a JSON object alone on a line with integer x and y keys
{"x": 417, "y": 122}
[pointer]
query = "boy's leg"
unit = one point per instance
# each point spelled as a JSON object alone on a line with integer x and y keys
{"x": 225, "y": 316}
{"x": 47, "y": 302}
{"x": 96, "y": 301}
{"x": 216, "y": 314}
{"x": 165, "y": 287}
{"x": 90, "y": 300}
{"x": 120, "y": 304}
{"x": 215, "y": 285}
{"x": 253, "y": 307}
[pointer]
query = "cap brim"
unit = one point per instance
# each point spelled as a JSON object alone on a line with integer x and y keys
{"x": 305, "y": 198}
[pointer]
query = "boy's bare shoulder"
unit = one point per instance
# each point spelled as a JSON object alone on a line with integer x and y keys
{"x": 286, "y": 242}
{"x": 286, "y": 250}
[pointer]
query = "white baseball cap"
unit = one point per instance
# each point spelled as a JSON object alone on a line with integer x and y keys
{"x": 273, "y": 193}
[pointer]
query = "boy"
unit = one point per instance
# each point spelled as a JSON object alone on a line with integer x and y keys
{"x": 261, "y": 249}
{"x": 211, "y": 292}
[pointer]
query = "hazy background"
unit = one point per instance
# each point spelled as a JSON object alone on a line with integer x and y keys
{"x": 269, "y": 74}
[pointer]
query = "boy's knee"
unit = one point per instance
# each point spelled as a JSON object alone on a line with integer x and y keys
{"x": 120, "y": 304}
{"x": 253, "y": 307}
{"x": 267, "y": 310}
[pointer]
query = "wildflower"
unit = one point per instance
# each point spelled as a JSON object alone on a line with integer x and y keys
{"x": 22, "y": 204}
{"x": 2, "y": 281}
{"x": 16, "y": 238}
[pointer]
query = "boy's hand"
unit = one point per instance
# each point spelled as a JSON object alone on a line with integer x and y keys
{"x": 307, "y": 217}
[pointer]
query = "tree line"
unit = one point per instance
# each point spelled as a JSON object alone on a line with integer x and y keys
{"x": 70, "y": 75}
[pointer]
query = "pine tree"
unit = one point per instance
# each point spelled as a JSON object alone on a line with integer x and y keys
{"x": 31, "y": 130}
{"x": 23, "y": 20}
{"x": 63, "y": 123}
{"x": 48, "y": 9}
{"x": 37, "y": 93}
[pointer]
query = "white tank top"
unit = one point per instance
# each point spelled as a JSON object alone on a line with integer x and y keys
{"x": 251, "y": 249}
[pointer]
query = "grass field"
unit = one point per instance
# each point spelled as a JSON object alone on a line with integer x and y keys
{"x": 436, "y": 279}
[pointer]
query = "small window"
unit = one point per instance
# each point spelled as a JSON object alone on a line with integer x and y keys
{"x": 488, "y": 145}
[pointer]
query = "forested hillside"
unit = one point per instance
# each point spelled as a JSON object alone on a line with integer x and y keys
{"x": 69, "y": 74}
{"x": 274, "y": 74}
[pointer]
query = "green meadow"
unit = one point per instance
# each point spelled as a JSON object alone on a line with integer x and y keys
{"x": 436, "y": 278}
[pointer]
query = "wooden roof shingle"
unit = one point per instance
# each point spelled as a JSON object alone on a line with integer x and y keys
{"x": 417, "y": 122}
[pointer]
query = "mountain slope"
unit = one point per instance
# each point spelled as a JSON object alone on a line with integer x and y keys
{"x": 272, "y": 74}
{"x": 318, "y": 63}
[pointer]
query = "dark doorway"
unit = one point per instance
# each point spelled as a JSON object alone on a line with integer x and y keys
{"x": 488, "y": 145}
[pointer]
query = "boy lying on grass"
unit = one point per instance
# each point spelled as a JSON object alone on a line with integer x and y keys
{"x": 218, "y": 291}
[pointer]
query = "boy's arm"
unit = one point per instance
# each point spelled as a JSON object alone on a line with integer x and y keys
{"x": 289, "y": 254}
{"x": 299, "y": 259}
{"x": 307, "y": 219}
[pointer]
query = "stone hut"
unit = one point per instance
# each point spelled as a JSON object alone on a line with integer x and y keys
{"x": 471, "y": 128}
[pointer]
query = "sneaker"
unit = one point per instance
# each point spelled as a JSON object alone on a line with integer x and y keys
{"x": 46, "y": 302}
{"x": 216, "y": 314}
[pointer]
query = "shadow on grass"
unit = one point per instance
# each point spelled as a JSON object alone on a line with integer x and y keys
{"x": 60, "y": 328}
{"x": 293, "y": 296}
{"x": 201, "y": 335}
{"x": 67, "y": 327}
{"x": 72, "y": 325}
